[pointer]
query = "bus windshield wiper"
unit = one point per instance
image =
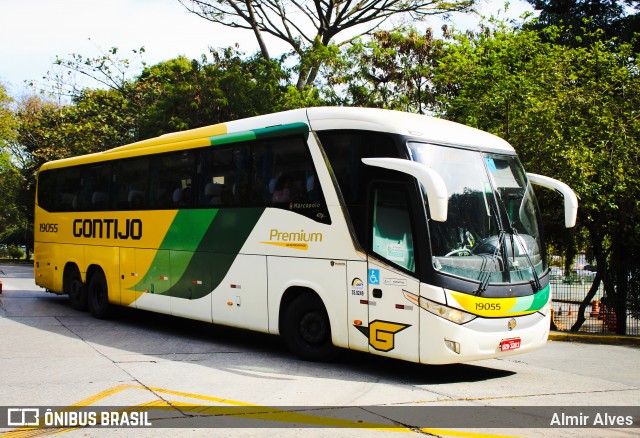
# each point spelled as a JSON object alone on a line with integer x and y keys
{"x": 486, "y": 275}
{"x": 536, "y": 280}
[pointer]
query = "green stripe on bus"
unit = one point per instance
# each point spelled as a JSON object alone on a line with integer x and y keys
{"x": 234, "y": 137}
{"x": 188, "y": 229}
{"x": 185, "y": 234}
{"x": 541, "y": 298}
{"x": 283, "y": 130}
{"x": 262, "y": 133}
{"x": 217, "y": 251}
{"x": 201, "y": 246}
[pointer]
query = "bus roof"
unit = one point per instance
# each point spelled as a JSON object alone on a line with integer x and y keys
{"x": 426, "y": 128}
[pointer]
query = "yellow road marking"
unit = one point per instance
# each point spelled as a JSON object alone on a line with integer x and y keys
{"x": 103, "y": 394}
{"x": 201, "y": 397}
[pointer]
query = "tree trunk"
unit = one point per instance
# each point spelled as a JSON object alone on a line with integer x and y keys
{"x": 587, "y": 299}
{"x": 256, "y": 32}
{"x": 302, "y": 76}
{"x": 312, "y": 75}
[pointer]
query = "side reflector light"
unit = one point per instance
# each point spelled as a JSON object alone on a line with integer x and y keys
{"x": 453, "y": 346}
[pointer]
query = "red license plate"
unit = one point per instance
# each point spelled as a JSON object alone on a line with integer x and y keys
{"x": 510, "y": 344}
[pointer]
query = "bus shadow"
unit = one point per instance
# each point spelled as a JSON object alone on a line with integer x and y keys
{"x": 166, "y": 337}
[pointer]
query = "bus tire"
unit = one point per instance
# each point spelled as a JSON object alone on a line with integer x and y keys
{"x": 74, "y": 287}
{"x": 98, "y": 296}
{"x": 306, "y": 329}
{"x": 77, "y": 293}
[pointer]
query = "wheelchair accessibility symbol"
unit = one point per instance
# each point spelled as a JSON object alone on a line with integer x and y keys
{"x": 374, "y": 276}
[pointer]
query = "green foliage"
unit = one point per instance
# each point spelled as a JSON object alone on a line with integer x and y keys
{"x": 7, "y": 118}
{"x": 392, "y": 70}
{"x": 14, "y": 252}
{"x": 10, "y": 180}
{"x": 12, "y": 217}
{"x": 611, "y": 18}
{"x": 183, "y": 94}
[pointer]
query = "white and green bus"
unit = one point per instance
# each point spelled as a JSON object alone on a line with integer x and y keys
{"x": 398, "y": 234}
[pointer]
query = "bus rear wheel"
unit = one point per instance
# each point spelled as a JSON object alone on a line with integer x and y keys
{"x": 98, "y": 296}
{"x": 306, "y": 329}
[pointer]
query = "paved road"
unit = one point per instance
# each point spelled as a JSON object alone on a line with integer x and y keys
{"x": 52, "y": 355}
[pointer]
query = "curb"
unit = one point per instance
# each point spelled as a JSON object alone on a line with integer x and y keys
{"x": 593, "y": 338}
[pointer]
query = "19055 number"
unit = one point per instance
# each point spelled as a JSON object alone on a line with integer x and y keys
{"x": 48, "y": 228}
{"x": 487, "y": 306}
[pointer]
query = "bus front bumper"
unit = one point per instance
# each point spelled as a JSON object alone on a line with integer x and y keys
{"x": 443, "y": 342}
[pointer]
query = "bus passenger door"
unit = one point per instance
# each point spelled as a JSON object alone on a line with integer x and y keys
{"x": 393, "y": 292}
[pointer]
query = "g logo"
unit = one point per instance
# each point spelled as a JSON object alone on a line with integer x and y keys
{"x": 381, "y": 334}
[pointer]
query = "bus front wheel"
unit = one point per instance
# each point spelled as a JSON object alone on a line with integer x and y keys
{"x": 77, "y": 294}
{"x": 98, "y": 296}
{"x": 75, "y": 288}
{"x": 306, "y": 329}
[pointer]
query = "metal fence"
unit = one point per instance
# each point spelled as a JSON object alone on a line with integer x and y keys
{"x": 568, "y": 293}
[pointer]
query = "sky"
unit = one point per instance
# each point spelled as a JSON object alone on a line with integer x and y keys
{"x": 34, "y": 32}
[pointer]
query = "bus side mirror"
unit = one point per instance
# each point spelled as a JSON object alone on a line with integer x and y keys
{"x": 429, "y": 178}
{"x": 570, "y": 199}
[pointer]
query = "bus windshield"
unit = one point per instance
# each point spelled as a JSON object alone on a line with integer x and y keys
{"x": 492, "y": 232}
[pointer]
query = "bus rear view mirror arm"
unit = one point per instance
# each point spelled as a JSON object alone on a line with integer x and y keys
{"x": 570, "y": 199}
{"x": 429, "y": 178}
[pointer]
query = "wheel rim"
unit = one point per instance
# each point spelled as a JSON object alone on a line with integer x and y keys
{"x": 313, "y": 328}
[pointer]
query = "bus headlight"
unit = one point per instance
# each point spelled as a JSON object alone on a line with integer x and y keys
{"x": 446, "y": 312}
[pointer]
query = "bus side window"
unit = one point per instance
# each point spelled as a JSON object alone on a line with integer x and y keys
{"x": 216, "y": 177}
{"x": 68, "y": 190}
{"x": 95, "y": 187}
{"x": 131, "y": 184}
{"x": 47, "y": 190}
{"x": 240, "y": 190}
{"x": 284, "y": 177}
{"x": 171, "y": 182}
{"x": 345, "y": 150}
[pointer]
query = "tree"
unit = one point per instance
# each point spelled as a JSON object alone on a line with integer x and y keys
{"x": 309, "y": 28}
{"x": 183, "y": 94}
{"x": 392, "y": 69}
{"x": 614, "y": 18}
{"x": 14, "y": 224}
{"x": 7, "y": 120}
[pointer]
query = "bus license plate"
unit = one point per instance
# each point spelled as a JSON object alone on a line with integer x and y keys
{"x": 510, "y": 344}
